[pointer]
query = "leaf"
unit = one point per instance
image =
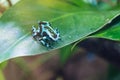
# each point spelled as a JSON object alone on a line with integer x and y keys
{"x": 74, "y": 23}
{"x": 1, "y": 75}
{"x": 3, "y": 65}
{"x": 113, "y": 30}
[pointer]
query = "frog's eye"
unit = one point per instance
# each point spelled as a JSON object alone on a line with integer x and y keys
{"x": 43, "y": 23}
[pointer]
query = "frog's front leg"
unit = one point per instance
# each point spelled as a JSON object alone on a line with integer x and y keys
{"x": 33, "y": 29}
{"x": 34, "y": 32}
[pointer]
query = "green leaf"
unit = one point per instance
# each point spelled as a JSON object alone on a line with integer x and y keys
{"x": 66, "y": 52}
{"x": 112, "y": 32}
{"x": 3, "y": 65}
{"x": 74, "y": 23}
{"x": 1, "y": 75}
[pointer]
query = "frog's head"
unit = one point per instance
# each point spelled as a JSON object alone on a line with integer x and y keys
{"x": 45, "y": 23}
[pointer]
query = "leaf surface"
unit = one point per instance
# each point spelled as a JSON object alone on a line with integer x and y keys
{"x": 74, "y": 23}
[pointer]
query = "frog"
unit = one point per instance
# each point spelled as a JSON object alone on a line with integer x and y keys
{"x": 45, "y": 34}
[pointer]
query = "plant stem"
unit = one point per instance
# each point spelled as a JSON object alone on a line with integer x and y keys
{"x": 9, "y": 2}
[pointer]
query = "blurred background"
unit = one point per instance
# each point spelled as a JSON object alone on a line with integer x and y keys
{"x": 83, "y": 63}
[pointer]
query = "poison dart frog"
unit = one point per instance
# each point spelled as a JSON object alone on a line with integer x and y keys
{"x": 45, "y": 34}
